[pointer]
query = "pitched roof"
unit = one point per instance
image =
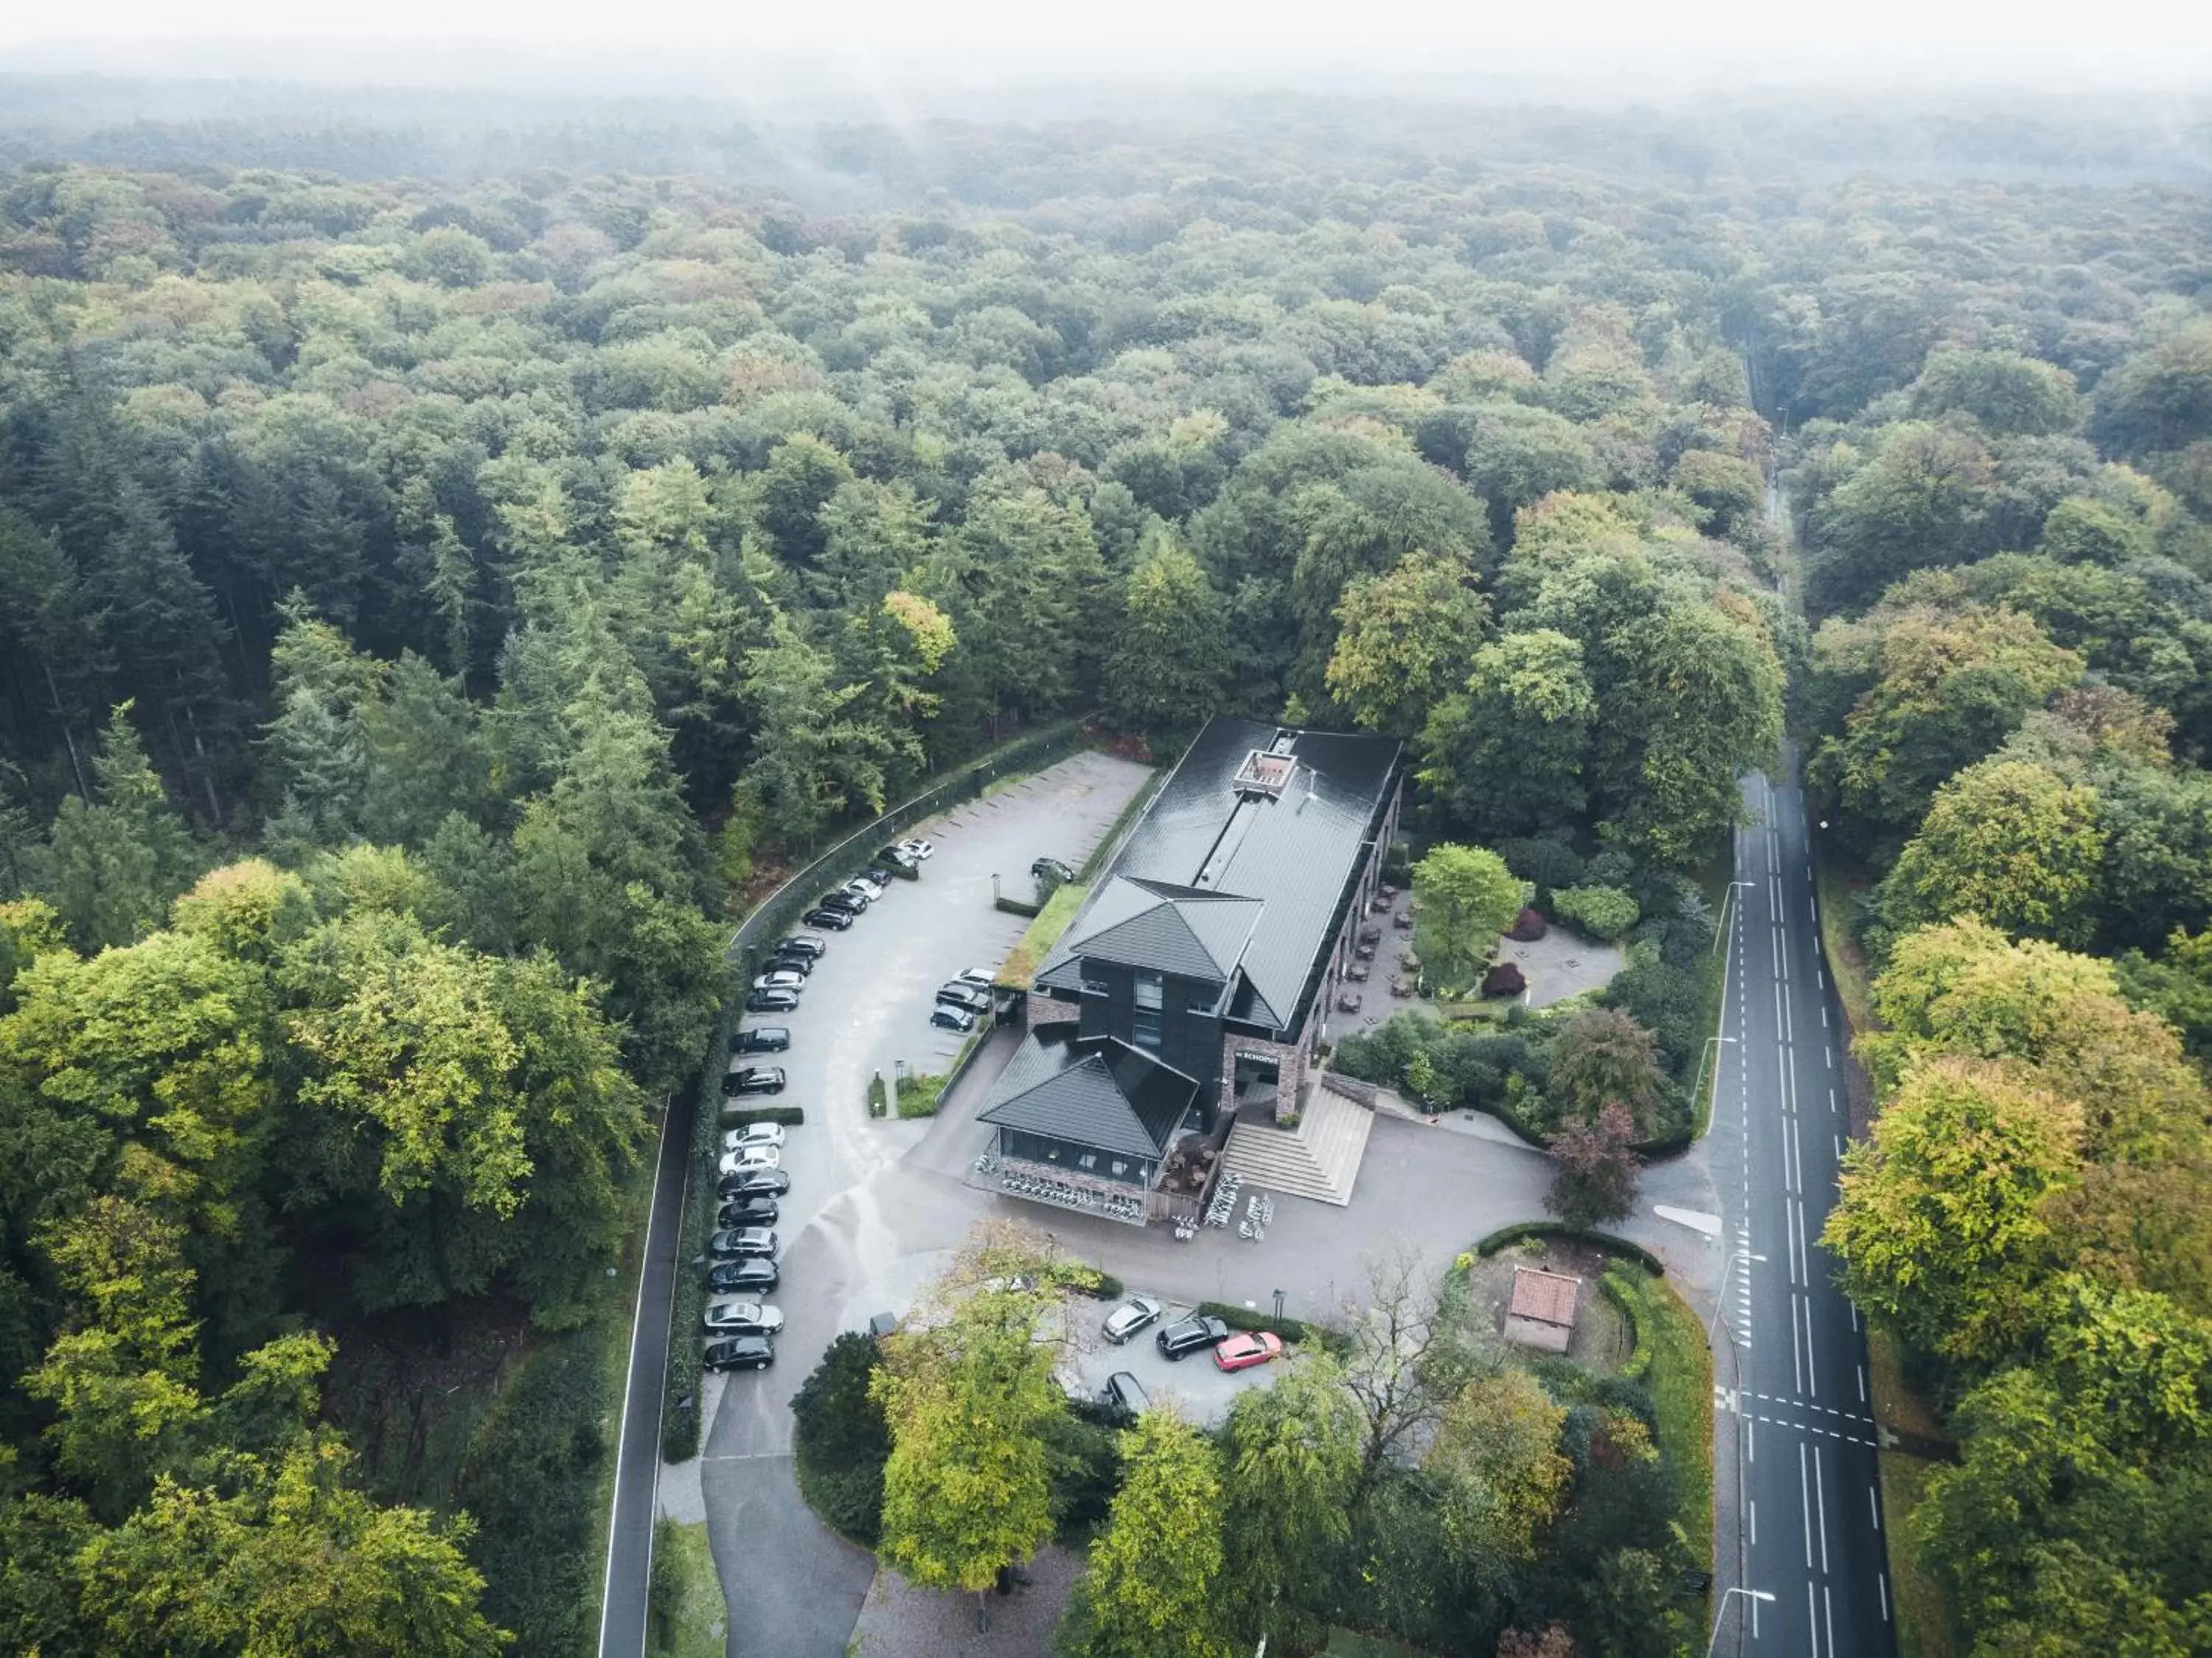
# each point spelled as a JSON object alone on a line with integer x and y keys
{"x": 1169, "y": 929}
{"x": 1094, "y": 1092}
{"x": 1546, "y": 1297}
{"x": 1208, "y": 836}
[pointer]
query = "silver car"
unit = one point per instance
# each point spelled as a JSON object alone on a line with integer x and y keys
{"x": 742, "y": 1319}
{"x": 1131, "y": 1316}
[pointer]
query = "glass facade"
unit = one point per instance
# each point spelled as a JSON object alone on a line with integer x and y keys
{"x": 1145, "y": 1018}
{"x": 1075, "y": 1160}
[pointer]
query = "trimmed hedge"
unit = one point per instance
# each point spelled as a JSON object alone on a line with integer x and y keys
{"x": 1291, "y": 1330}
{"x": 1639, "y": 1350}
{"x": 738, "y": 1116}
{"x": 1014, "y": 906}
{"x": 1507, "y": 1236}
{"x": 1099, "y": 1286}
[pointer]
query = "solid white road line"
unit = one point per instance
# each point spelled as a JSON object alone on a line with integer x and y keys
{"x": 1812, "y": 1366}
{"x": 1862, "y": 1384}
{"x": 1812, "y": 1622}
{"x": 1828, "y": 1617}
{"x": 1805, "y": 1495}
{"x": 1873, "y": 1509}
{"x": 1881, "y": 1583}
{"x": 1797, "y": 1354}
{"x": 1820, "y": 1506}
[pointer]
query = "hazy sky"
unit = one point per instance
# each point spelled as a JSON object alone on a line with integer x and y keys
{"x": 746, "y": 46}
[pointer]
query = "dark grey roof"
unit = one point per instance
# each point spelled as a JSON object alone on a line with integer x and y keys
{"x": 1092, "y": 1092}
{"x": 1294, "y": 852}
{"x": 1165, "y": 927}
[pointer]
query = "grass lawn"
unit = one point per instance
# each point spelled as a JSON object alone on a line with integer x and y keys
{"x": 1680, "y": 1376}
{"x": 688, "y": 1614}
{"x": 1020, "y": 968}
{"x": 1348, "y": 1644}
{"x": 920, "y": 1094}
{"x": 1923, "y": 1618}
{"x": 1711, "y": 970}
{"x": 1839, "y": 889}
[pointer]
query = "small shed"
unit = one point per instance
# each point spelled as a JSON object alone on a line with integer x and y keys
{"x": 1542, "y": 1312}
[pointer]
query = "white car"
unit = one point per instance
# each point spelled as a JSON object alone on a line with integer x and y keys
{"x": 982, "y": 978}
{"x": 753, "y": 1134}
{"x": 917, "y": 848}
{"x": 742, "y": 1319}
{"x": 744, "y": 1158}
{"x": 871, "y": 890}
{"x": 781, "y": 978}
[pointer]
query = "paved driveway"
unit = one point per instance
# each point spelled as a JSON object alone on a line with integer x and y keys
{"x": 1204, "y": 1392}
{"x": 860, "y": 1235}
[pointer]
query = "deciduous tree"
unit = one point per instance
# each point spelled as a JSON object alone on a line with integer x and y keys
{"x": 1467, "y": 898}
{"x": 1150, "y": 1589}
{"x": 1941, "y": 1223}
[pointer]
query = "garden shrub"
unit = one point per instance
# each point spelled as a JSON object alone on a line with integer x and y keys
{"x": 1667, "y": 1001}
{"x": 1603, "y": 913}
{"x": 1549, "y": 863}
{"x": 1506, "y": 979}
{"x": 842, "y": 1439}
{"x": 1528, "y": 927}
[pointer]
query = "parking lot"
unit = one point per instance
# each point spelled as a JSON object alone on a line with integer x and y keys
{"x": 860, "y": 1235}
{"x": 1203, "y": 1392}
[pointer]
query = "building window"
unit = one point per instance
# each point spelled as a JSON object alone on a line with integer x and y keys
{"x": 1145, "y": 1024}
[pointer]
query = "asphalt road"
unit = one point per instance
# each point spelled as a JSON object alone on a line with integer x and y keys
{"x": 637, "y": 1455}
{"x": 1807, "y": 1521}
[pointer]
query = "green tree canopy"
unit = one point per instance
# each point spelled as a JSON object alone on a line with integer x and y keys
{"x": 1467, "y": 899}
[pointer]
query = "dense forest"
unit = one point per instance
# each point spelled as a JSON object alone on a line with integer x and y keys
{"x": 429, "y": 605}
{"x": 2007, "y": 704}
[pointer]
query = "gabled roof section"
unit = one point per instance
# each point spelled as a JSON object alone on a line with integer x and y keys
{"x": 1165, "y": 928}
{"x": 1092, "y": 1092}
{"x": 1210, "y": 831}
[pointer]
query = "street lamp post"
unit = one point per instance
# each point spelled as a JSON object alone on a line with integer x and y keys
{"x": 1709, "y": 1044}
{"x": 1720, "y": 928}
{"x": 1752, "y": 1595}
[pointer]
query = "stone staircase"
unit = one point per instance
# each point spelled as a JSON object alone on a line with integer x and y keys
{"x": 1318, "y": 1158}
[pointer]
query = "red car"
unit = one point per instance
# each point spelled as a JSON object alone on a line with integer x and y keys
{"x": 1246, "y": 1349}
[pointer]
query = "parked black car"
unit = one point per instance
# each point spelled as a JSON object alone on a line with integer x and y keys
{"x": 895, "y": 859}
{"x": 755, "y": 1079}
{"x": 740, "y": 1353}
{"x": 763, "y": 1039}
{"x": 790, "y": 961}
{"x": 957, "y": 995}
{"x": 747, "y": 1212}
{"x": 821, "y": 916}
{"x": 1125, "y": 1396}
{"x": 772, "y": 1001}
{"x": 844, "y": 898}
{"x": 951, "y": 1018}
{"x": 749, "y": 1275}
{"x": 1188, "y": 1336}
{"x": 754, "y": 1183}
{"x": 1052, "y": 867}
{"x": 802, "y": 944}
